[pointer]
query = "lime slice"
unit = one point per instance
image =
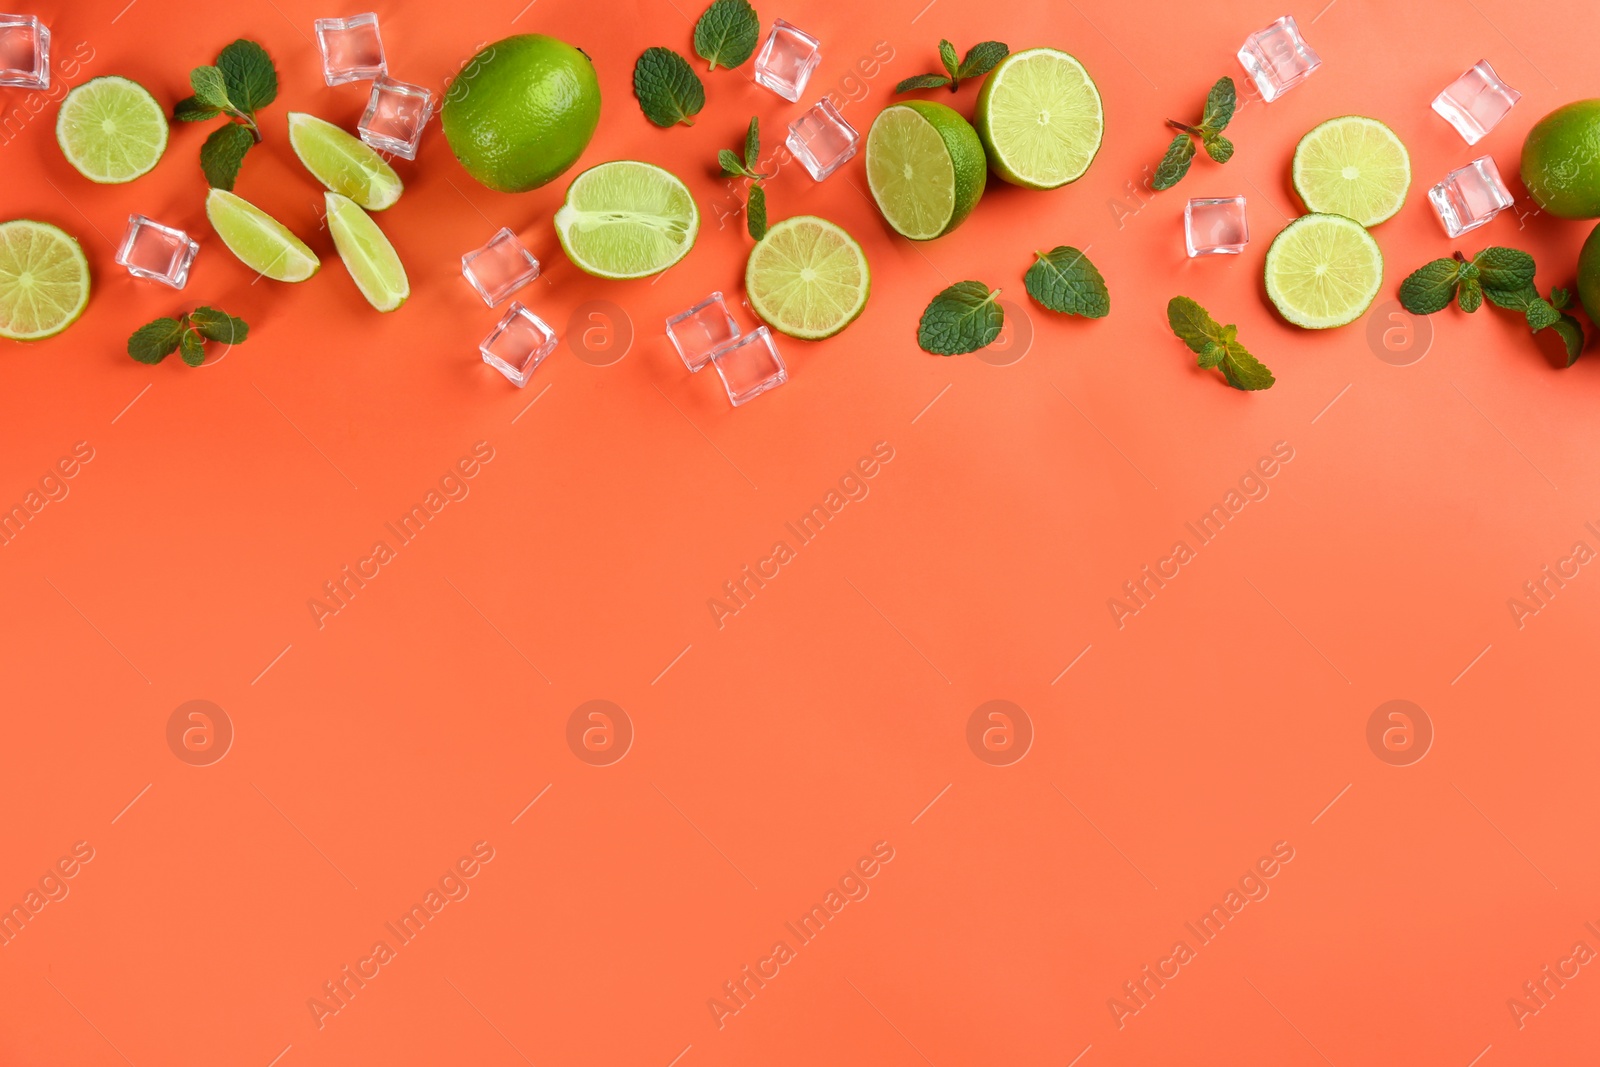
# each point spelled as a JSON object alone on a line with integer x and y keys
{"x": 111, "y": 129}
{"x": 1352, "y": 166}
{"x": 1323, "y": 271}
{"x": 343, "y": 163}
{"x": 44, "y": 280}
{"x": 807, "y": 278}
{"x": 1040, "y": 118}
{"x": 627, "y": 219}
{"x": 261, "y": 242}
{"x": 926, "y": 168}
{"x": 367, "y": 254}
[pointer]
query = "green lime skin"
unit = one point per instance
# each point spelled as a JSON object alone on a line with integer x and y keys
{"x": 522, "y": 111}
{"x": 1589, "y": 275}
{"x": 966, "y": 153}
{"x": 1561, "y": 161}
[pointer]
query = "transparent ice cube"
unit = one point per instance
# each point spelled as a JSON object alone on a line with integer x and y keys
{"x": 500, "y": 267}
{"x": 352, "y": 50}
{"x": 395, "y": 116}
{"x": 1278, "y": 58}
{"x": 518, "y": 344}
{"x": 156, "y": 252}
{"x": 1470, "y": 197}
{"x": 1215, "y": 227}
{"x": 24, "y": 52}
{"x": 822, "y": 139}
{"x": 1476, "y": 102}
{"x": 786, "y": 60}
{"x": 700, "y": 331}
{"x": 750, "y": 366}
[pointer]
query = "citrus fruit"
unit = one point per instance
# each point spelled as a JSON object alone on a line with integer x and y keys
{"x": 522, "y": 111}
{"x": 1040, "y": 118}
{"x": 343, "y": 163}
{"x": 1589, "y": 275}
{"x": 807, "y": 278}
{"x": 1323, "y": 271}
{"x": 1561, "y": 161}
{"x": 111, "y": 129}
{"x": 44, "y": 280}
{"x": 627, "y": 219}
{"x": 367, "y": 254}
{"x": 1352, "y": 166}
{"x": 261, "y": 242}
{"x": 926, "y": 168}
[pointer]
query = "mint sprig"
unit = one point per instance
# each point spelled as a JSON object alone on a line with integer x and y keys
{"x": 668, "y": 89}
{"x": 735, "y": 167}
{"x": 242, "y": 82}
{"x": 1216, "y": 345}
{"x": 963, "y": 318}
{"x": 980, "y": 59}
{"x": 1220, "y": 104}
{"x": 726, "y": 33}
{"x": 1499, "y": 276}
{"x": 186, "y": 335}
{"x": 1064, "y": 280}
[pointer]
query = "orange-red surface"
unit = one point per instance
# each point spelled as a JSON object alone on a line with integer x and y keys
{"x": 1223, "y": 724}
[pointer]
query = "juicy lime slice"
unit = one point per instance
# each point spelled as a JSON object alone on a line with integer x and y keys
{"x": 926, "y": 168}
{"x": 367, "y": 254}
{"x": 1323, "y": 271}
{"x": 627, "y": 219}
{"x": 1352, "y": 166}
{"x": 44, "y": 280}
{"x": 807, "y": 278}
{"x": 343, "y": 163}
{"x": 1040, "y": 118}
{"x": 261, "y": 242}
{"x": 111, "y": 129}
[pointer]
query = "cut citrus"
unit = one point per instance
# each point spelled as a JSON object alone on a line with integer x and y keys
{"x": 111, "y": 129}
{"x": 367, "y": 254}
{"x": 44, "y": 280}
{"x": 1323, "y": 271}
{"x": 627, "y": 219}
{"x": 925, "y": 167}
{"x": 1040, "y": 117}
{"x": 807, "y": 278}
{"x": 343, "y": 163}
{"x": 261, "y": 242}
{"x": 1352, "y": 166}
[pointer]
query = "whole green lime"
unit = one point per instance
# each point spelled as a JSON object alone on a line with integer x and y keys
{"x": 522, "y": 111}
{"x": 1589, "y": 275}
{"x": 1561, "y": 161}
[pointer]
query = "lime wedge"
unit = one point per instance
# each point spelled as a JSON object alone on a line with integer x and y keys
{"x": 44, "y": 280}
{"x": 111, "y": 129}
{"x": 925, "y": 167}
{"x": 1352, "y": 166}
{"x": 367, "y": 254}
{"x": 261, "y": 242}
{"x": 1323, "y": 271}
{"x": 343, "y": 163}
{"x": 1040, "y": 118}
{"x": 807, "y": 278}
{"x": 626, "y": 219}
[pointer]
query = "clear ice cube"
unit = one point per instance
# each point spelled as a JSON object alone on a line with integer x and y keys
{"x": 750, "y": 366}
{"x": 1476, "y": 102}
{"x": 1215, "y": 227}
{"x": 24, "y": 52}
{"x": 1470, "y": 197}
{"x": 155, "y": 252}
{"x": 518, "y": 344}
{"x": 352, "y": 50}
{"x": 700, "y": 331}
{"x": 1278, "y": 58}
{"x": 395, "y": 116}
{"x": 822, "y": 140}
{"x": 786, "y": 60}
{"x": 500, "y": 267}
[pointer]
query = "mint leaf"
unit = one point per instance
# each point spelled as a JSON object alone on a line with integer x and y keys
{"x": 191, "y": 349}
{"x": 1245, "y": 371}
{"x": 756, "y": 212}
{"x": 1430, "y": 287}
{"x": 922, "y": 81}
{"x": 962, "y": 318}
{"x": 190, "y": 109}
{"x": 1193, "y": 325}
{"x": 1512, "y": 299}
{"x": 1504, "y": 268}
{"x": 1220, "y": 102}
{"x": 1211, "y": 355}
{"x": 947, "y": 56}
{"x": 217, "y": 325}
{"x": 981, "y": 58}
{"x": 752, "y": 144}
{"x": 222, "y": 154}
{"x": 155, "y": 341}
{"x": 251, "y": 79}
{"x": 726, "y": 34}
{"x": 1571, "y": 334}
{"x": 1541, "y": 313}
{"x": 1469, "y": 296}
{"x": 1560, "y": 298}
{"x": 731, "y": 167}
{"x": 668, "y": 89}
{"x": 210, "y": 90}
{"x": 1218, "y": 147}
{"x": 1064, "y": 280}
{"x": 1175, "y": 164}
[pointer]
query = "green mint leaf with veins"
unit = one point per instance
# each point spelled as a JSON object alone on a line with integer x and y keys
{"x": 963, "y": 318}
{"x": 190, "y": 109}
{"x": 1504, "y": 268}
{"x": 731, "y": 165}
{"x": 251, "y": 78}
{"x": 1175, "y": 164}
{"x": 952, "y": 66}
{"x": 668, "y": 89}
{"x": 1064, "y": 280}
{"x": 217, "y": 325}
{"x": 1430, "y": 287}
{"x": 981, "y": 58}
{"x": 1211, "y": 355}
{"x": 1193, "y": 325}
{"x": 1512, "y": 299}
{"x": 1218, "y": 147}
{"x": 1571, "y": 333}
{"x": 1560, "y": 298}
{"x": 1220, "y": 102}
{"x": 223, "y": 152}
{"x": 752, "y": 145}
{"x": 726, "y": 34}
{"x": 155, "y": 341}
{"x": 1469, "y": 296}
{"x": 191, "y": 349}
{"x": 1540, "y": 314}
{"x": 210, "y": 89}
{"x": 1244, "y": 371}
{"x": 756, "y": 212}
{"x": 922, "y": 81}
